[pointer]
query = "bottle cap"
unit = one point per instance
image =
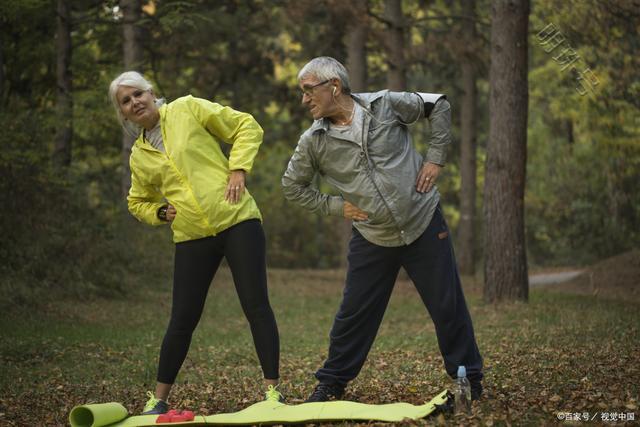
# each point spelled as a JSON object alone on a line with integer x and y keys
{"x": 462, "y": 372}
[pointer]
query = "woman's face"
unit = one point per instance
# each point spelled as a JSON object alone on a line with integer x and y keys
{"x": 137, "y": 105}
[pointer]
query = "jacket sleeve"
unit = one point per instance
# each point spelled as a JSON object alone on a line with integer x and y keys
{"x": 144, "y": 201}
{"x": 409, "y": 107}
{"x": 440, "y": 120}
{"x": 233, "y": 127}
{"x": 297, "y": 183}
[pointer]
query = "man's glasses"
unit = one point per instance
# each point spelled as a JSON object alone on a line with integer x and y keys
{"x": 308, "y": 89}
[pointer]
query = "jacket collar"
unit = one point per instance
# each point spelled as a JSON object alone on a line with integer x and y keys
{"x": 163, "y": 112}
{"x": 139, "y": 140}
{"x": 364, "y": 99}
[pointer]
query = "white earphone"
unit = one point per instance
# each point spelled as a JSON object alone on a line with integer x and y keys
{"x": 334, "y": 90}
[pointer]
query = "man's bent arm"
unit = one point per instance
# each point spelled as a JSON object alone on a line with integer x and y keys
{"x": 440, "y": 120}
{"x": 409, "y": 106}
{"x": 297, "y": 185}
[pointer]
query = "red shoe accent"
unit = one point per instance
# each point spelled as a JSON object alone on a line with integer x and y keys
{"x": 163, "y": 418}
{"x": 174, "y": 416}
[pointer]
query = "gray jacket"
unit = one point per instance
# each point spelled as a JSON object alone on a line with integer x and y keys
{"x": 378, "y": 174}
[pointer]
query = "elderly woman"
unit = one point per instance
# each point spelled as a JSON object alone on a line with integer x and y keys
{"x": 179, "y": 176}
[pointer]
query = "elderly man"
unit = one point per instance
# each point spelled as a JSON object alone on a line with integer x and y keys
{"x": 361, "y": 145}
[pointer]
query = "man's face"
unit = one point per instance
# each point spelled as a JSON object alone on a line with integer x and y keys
{"x": 317, "y": 96}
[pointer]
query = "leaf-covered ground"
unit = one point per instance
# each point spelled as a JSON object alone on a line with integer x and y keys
{"x": 556, "y": 355}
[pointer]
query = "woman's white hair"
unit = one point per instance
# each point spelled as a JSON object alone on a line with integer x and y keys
{"x": 326, "y": 68}
{"x": 132, "y": 79}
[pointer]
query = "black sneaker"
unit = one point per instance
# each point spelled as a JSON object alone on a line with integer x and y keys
{"x": 476, "y": 390}
{"x": 326, "y": 392}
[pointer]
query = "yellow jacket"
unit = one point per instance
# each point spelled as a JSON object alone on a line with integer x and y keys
{"x": 192, "y": 175}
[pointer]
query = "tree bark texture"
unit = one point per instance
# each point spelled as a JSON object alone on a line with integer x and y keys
{"x": 396, "y": 75}
{"x": 356, "y": 44}
{"x": 64, "y": 99}
{"x": 468, "y": 123}
{"x": 505, "y": 250}
{"x": 1, "y": 73}
{"x": 133, "y": 59}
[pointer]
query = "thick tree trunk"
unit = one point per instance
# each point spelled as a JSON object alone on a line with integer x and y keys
{"x": 64, "y": 100}
{"x": 356, "y": 44}
{"x": 132, "y": 54}
{"x": 396, "y": 75}
{"x": 505, "y": 250}
{"x": 468, "y": 120}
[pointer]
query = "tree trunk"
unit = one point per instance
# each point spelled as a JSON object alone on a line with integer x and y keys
{"x": 64, "y": 100}
{"x": 505, "y": 250}
{"x": 356, "y": 44}
{"x": 468, "y": 121}
{"x": 132, "y": 34}
{"x": 396, "y": 75}
{"x": 1, "y": 73}
{"x": 132, "y": 54}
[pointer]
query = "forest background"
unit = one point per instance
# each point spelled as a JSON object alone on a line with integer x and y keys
{"x": 64, "y": 170}
{"x": 542, "y": 174}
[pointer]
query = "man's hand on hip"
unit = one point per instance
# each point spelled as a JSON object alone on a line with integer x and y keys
{"x": 427, "y": 177}
{"x": 353, "y": 212}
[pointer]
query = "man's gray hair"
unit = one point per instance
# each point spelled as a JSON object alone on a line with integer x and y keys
{"x": 326, "y": 68}
{"x": 132, "y": 79}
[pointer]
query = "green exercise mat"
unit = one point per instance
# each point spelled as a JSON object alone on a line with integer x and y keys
{"x": 115, "y": 415}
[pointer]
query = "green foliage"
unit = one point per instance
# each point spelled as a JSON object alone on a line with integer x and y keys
{"x": 582, "y": 198}
{"x": 57, "y": 242}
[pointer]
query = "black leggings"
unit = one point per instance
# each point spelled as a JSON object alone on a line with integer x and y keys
{"x": 196, "y": 262}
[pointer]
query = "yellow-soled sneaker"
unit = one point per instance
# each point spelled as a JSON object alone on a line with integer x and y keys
{"x": 273, "y": 395}
{"x": 155, "y": 406}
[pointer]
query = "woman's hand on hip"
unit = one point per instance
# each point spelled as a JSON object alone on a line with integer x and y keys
{"x": 171, "y": 213}
{"x": 235, "y": 186}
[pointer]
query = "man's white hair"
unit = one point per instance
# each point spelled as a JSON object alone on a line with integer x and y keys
{"x": 326, "y": 68}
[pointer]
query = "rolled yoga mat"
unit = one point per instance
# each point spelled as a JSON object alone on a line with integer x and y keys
{"x": 114, "y": 414}
{"x": 277, "y": 413}
{"x": 98, "y": 414}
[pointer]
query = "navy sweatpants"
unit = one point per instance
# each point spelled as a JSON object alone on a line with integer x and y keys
{"x": 371, "y": 275}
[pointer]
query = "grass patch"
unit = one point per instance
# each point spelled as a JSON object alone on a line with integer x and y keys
{"x": 558, "y": 353}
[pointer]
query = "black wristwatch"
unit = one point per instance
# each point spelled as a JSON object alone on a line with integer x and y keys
{"x": 162, "y": 213}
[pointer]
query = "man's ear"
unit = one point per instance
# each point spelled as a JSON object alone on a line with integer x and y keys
{"x": 337, "y": 84}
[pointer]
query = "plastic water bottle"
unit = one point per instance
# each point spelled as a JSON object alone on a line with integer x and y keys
{"x": 462, "y": 393}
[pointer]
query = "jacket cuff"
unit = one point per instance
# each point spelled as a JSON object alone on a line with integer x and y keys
{"x": 151, "y": 216}
{"x": 245, "y": 166}
{"x": 437, "y": 156}
{"x": 336, "y": 206}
